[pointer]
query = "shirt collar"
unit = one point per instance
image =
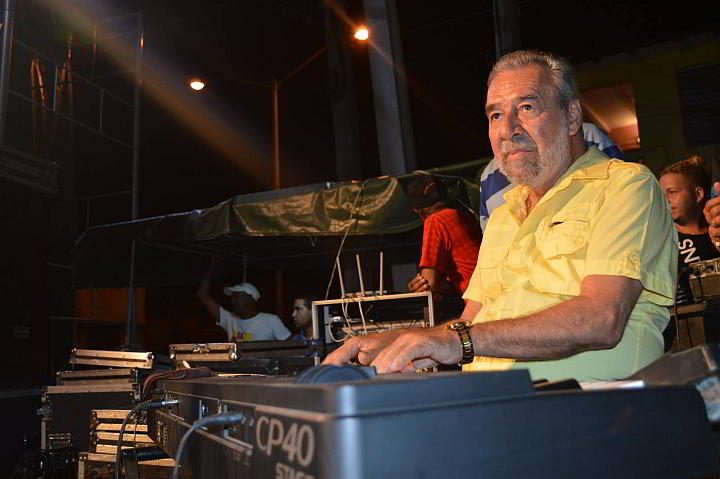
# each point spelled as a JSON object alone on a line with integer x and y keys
{"x": 592, "y": 164}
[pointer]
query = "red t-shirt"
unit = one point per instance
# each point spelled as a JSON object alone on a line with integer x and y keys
{"x": 451, "y": 240}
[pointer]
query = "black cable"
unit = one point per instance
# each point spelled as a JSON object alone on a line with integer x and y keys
{"x": 118, "y": 446}
{"x": 675, "y": 311}
{"x": 223, "y": 419}
{"x": 680, "y": 273}
{"x": 143, "y": 406}
{"x": 134, "y": 438}
{"x": 689, "y": 333}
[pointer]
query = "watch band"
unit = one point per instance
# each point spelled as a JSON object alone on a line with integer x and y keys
{"x": 463, "y": 331}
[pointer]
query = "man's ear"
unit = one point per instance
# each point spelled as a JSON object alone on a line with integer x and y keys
{"x": 574, "y": 117}
{"x": 699, "y": 195}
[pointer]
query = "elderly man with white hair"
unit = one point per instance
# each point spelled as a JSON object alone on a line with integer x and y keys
{"x": 576, "y": 269}
{"x": 244, "y": 322}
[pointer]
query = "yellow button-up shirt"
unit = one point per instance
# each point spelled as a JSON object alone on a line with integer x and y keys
{"x": 602, "y": 217}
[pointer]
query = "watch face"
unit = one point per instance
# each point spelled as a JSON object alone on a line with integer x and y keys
{"x": 459, "y": 325}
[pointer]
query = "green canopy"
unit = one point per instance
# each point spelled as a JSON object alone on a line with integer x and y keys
{"x": 267, "y": 229}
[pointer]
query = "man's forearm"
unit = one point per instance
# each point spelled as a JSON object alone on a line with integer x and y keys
{"x": 206, "y": 283}
{"x": 204, "y": 288}
{"x": 587, "y": 322}
{"x": 438, "y": 284}
{"x": 203, "y": 294}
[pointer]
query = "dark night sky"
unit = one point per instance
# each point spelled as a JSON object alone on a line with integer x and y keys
{"x": 448, "y": 46}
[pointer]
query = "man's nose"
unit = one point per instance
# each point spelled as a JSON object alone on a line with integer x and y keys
{"x": 509, "y": 126}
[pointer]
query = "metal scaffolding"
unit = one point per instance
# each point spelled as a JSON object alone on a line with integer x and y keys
{"x": 31, "y": 169}
{"x": 48, "y": 94}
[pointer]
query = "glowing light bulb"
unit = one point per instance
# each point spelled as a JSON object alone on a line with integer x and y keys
{"x": 361, "y": 34}
{"x": 197, "y": 85}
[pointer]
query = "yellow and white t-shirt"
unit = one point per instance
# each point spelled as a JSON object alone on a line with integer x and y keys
{"x": 261, "y": 327}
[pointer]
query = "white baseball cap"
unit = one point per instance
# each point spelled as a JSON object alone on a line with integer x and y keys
{"x": 247, "y": 288}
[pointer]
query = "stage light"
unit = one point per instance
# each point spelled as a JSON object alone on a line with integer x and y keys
{"x": 361, "y": 33}
{"x": 196, "y": 84}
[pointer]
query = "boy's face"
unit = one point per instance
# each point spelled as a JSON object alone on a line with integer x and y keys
{"x": 302, "y": 316}
{"x": 684, "y": 199}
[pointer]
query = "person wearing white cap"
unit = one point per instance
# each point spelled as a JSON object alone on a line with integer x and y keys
{"x": 244, "y": 322}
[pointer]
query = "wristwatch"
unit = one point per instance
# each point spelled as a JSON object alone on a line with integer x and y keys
{"x": 463, "y": 330}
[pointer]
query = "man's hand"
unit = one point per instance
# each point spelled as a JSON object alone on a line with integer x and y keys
{"x": 419, "y": 348}
{"x": 712, "y": 215}
{"x": 418, "y": 284}
{"x": 397, "y": 351}
{"x": 364, "y": 349}
{"x": 429, "y": 279}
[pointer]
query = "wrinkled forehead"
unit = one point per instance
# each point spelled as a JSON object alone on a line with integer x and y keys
{"x": 300, "y": 303}
{"x": 522, "y": 82}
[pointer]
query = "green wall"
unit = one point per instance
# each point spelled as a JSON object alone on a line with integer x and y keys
{"x": 652, "y": 71}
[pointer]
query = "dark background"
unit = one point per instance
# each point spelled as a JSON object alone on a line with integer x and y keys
{"x": 448, "y": 46}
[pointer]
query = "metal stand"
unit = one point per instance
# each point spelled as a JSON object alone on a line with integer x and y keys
{"x": 319, "y": 332}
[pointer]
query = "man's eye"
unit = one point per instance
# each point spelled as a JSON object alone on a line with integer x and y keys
{"x": 526, "y": 107}
{"x": 494, "y": 116}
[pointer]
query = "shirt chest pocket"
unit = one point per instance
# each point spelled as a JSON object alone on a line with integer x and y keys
{"x": 490, "y": 270}
{"x": 565, "y": 234}
{"x": 491, "y": 257}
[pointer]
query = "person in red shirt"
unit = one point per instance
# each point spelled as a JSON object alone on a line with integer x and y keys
{"x": 451, "y": 240}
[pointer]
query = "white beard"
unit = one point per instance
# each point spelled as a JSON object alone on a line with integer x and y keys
{"x": 533, "y": 170}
